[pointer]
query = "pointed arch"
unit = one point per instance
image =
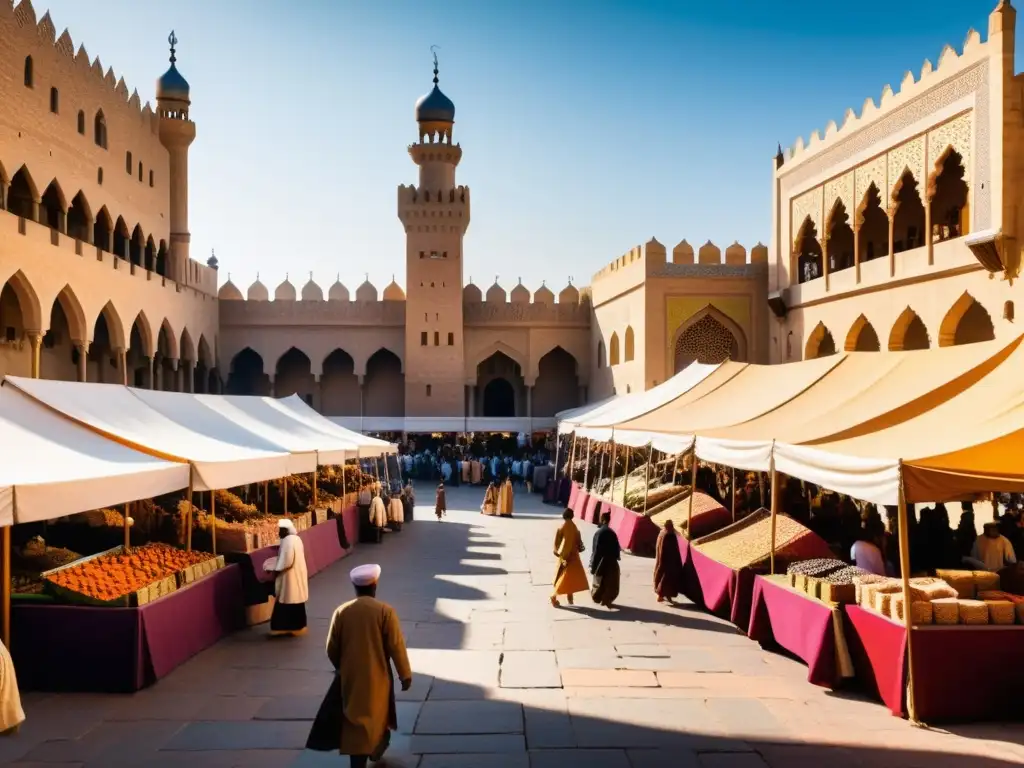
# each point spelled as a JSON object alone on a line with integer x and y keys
{"x": 28, "y": 301}
{"x": 203, "y": 353}
{"x": 966, "y": 322}
{"x": 806, "y": 257}
{"x": 908, "y": 332}
{"x": 557, "y": 387}
{"x": 186, "y": 349}
{"x": 613, "y": 349}
{"x": 53, "y": 206}
{"x": 949, "y": 196}
{"x": 169, "y": 337}
{"x": 474, "y": 360}
{"x": 99, "y": 129}
{"x": 121, "y": 236}
{"x": 630, "y": 351}
{"x": 102, "y": 230}
{"x": 149, "y": 255}
{"x": 839, "y": 237}
{"x": 145, "y": 331}
{"x": 738, "y": 351}
{"x": 872, "y": 223}
{"x": 384, "y": 384}
{"x": 820, "y": 343}
{"x": 79, "y": 218}
{"x": 23, "y": 194}
{"x": 77, "y": 325}
{"x": 114, "y": 326}
{"x": 339, "y": 385}
{"x": 862, "y": 337}
{"x": 246, "y": 374}
{"x": 908, "y": 216}
{"x": 136, "y": 245}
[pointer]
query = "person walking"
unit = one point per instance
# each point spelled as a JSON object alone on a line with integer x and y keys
{"x": 440, "y": 502}
{"x": 604, "y": 563}
{"x": 570, "y": 577}
{"x": 11, "y": 713}
{"x": 668, "y": 564}
{"x": 291, "y": 583}
{"x": 364, "y": 640}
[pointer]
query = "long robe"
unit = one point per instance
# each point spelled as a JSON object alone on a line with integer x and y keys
{"x": 490, "y": 505}
{"x": 505, "y": 499}
{"x": 364, "y": 639}
{"x": 440, "y": 503}
{"x": 292, "y": 583}
{"x": 604, "y": 566}
{"x": 11, "y": 713}
{"x": 668, "y": 565}
{"x": 378, "y": 513}
{"x": 570, "y": 576}
{"x": 477, "y": 472}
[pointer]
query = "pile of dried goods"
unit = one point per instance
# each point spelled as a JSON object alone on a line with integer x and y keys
{"x": 231, "y": 507}
{"x": 816, "y": 567}
{"x": 747, "y": 542}
{"x": 708, "y": 515}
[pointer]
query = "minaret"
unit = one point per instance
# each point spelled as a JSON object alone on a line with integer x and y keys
{"x": 177, "y": 133}
{"x": 435, "y": 214}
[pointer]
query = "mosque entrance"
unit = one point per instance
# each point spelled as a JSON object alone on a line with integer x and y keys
{"x": 499, "y": 399}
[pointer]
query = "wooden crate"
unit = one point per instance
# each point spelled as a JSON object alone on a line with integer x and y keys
{"x": 135, "y": 599}
{"x": 259, "y": 613}
{"x": 319, "y": 515}
{"x": 236, "y": 540}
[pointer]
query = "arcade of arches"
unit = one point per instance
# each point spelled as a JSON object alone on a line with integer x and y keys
{"x": 72, "y": 351}
{"x": 501, "y": 391}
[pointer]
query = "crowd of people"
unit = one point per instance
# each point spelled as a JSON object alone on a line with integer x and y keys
{"x": 474, "y": 461}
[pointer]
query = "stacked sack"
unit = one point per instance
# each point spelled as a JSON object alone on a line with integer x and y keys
{"x": 936, "y": 601}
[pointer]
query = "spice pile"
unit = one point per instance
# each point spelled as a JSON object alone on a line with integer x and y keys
{"x": 708, "y": 515}
{"x": 115, "y": 575}
{"x": 747, "y": 543}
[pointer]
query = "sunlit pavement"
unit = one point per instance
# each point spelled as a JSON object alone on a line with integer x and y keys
{"x": 503, "y": 680}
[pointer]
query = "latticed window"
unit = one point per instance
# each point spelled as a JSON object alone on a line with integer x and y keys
{"x": 706, "y": 341}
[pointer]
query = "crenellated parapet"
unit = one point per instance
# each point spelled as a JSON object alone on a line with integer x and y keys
{"x": 312, "y": 293}
{"x": 651, "y": 260}
{"x": 104, "y": 85}
{"x": 256, "y": 313}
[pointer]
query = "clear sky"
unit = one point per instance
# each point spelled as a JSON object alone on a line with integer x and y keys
{"x": 587, "y": 126}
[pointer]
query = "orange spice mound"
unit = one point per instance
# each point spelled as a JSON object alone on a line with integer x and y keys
{"x": 112, "y": 576}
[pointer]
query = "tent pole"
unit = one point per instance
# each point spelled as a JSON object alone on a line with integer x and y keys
{"x": 774, "y": 506}
{"x": 600, "y": 469}
{"x": 647, "y": 476}
{"x": 213, "y": 520}
{"x": 586, "y": 466}
{"x": 572, "y": 457}
{"x": 675, "y": 468}
{"x": 286, "y": 496}
{"x": 732, "y": 490}
{"x": 625, "y": 478}
{"x": 693, "y": 488}
{"x": 5, "y": 570}
{"x": 611, "y": 486}
{"x": 127, "y": 535}
{"x": 904, "y": 534}
{"x": 266, "y": 497}
{"x": 558, "y": 445}
{"x": 188, "y": 516}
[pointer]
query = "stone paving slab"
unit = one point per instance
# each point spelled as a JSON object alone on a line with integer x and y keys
{"x": 608, "y": 678}
{"x": 530, "y": 669}
{"x": 469, "y": 717}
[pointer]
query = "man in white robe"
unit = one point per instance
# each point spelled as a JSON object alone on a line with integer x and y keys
{"x": 291, "y": 585}
{"x": 378, "y": 518}
{"x": 11, "y": 713}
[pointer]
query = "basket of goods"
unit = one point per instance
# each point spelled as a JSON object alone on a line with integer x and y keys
{"x": 1000, "y": 611}
{"x": 928, "y": 589}
{"x": 973, "y": 612}
{"x": 946, "y": 610}
{"x": 921, "y": 611}
{"x": 800, "y": 571}
{"x": 870, "y": 590}
{"x": 837, "y": 586}
{"x": 708, "y": 515}
{"x": 859, "y": 582}
{"x": 30, "y": 561}
{"x": 122, "y": 579}
{"x": 747, "y": 542}
{"x": 961, "y": 581}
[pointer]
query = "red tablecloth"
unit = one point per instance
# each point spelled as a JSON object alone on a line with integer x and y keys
{"x": 961, "y": 673}
{"x": 798, "y": 623}
{"x": 590, "y": 511}
{"x": 726, "y": 592}
{"x": 579, "y": 504}
{"x": 636, "y": 532}
{"x": 84, "y": 648}
{"x": 691, "y": 582}
{"x": 350, "y": 524}
{"x": 574, "y": 490}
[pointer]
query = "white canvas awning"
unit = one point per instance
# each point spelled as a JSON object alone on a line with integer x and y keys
{"x": 50, "y": 466}
{"x": 570, "y": 419}
{"x": 222, "y": 453}
{"x": 369, "y": 447}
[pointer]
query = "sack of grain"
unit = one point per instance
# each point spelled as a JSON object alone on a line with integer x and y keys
{"x": 946, "y": 610}
{"x": 1000, "y": 611}
{"x": 961, "y": 581}
{"x": 985, "y": 580}
{"x": 920, "y": 611}
{"x": 883, "y": 602}
{"x": 884, "y": 586}
{"x": 973, "y": 612}
{"x": 927, "y": 589}
{"x": 860, "y": 581}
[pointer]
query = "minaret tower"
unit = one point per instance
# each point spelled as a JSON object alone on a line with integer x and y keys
{"x": 177, "y": 133}
{"x": 435, "y": 213}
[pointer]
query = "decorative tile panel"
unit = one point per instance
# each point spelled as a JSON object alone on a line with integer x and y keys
{"x": 840, "y": 188}
{"x": 909, "y": 155}
{"x": 810, "y": 203}
{"x": 956, "y": 134}
{"x": 872, "y": 172}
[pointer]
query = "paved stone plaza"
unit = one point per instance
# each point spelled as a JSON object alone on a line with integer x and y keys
{"x": 503, "y": 680}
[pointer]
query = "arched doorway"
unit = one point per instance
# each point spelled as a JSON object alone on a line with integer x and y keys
{"x": 557, "y": 387}
{"x": 908, "y": 332}
{"x": 59, "y": 357}
{"x": 247, "y": 376}
{"x": 499, "y": 399}
{"x": 339, "y": 385}
{"x": 862, "y": 337}
{"x": 293, "y": 376}
{"x": 949, "y": 198}
{"x": 966, "y": 322}
{"x": 384, "y": 390}
{"x": 820, "y": 343}
{"x": 706, "y": 340}
{"x": 874, "y": 226}
{"x": 201, "y": 378}
{"x": 139, "y": 354}
{"x": 15, "y": 357}
{"x": 107, "y": 335}
{"x": 807, "y": 252}
{"x": 908, "y": 223}
{"x": 840, "y": 239}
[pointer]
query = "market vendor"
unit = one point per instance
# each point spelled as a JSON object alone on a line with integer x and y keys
{"x": 291, "y": 586}
{"x": 993, "y": 550}
{"x": 11, "y": 713}
{"x": 396, "y": 513}
{"x": 376, "y": 520}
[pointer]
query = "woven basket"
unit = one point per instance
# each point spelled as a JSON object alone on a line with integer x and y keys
{"x": 921, "y": 612}
{"x": 860, "y": 581}
{"x": 1000, "y": 611}
{"x": 946, "y": 610}
{"x": 973, "y": 612}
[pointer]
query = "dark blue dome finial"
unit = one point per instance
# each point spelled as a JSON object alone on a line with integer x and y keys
{"x": 435, "y": 107}
{"x": 172, "y": 85}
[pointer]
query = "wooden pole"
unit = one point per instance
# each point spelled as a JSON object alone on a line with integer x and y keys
{"x": 693, "y": 488}
{"x": 213, "y": 521}
{"x": 266, "y": 497}
{"x": 625, "y": 478}
{"x": 774, "y": 506}
{"x": 732, "y": 490}
{"x": 127, "y": 528}
{"x": 760, "y": 486}
{"x": 188, "y": 516}
{"x": 647, "y": 474}
{"x": 611, "y": 460}
{"x": 314, "y": 487}
{"x": 586, "y": 466}
{"x": 904, "y": 533}
{"x": 286, "y": 495}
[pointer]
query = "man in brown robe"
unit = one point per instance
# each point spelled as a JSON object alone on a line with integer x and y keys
{"x": 668, "y": 564}
{"x": 364, "y": 639}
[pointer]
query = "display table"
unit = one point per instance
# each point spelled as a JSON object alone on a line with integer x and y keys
{"x": 691, "y": 584}
{"x": 809, "y": 629}
{"x": 592, "y": 510}
{"x": 636, "y": 532}
{"x": 348, "y": 524}
{"x": 961, "y": 673}
{"x": 574, "y": 490}
{"x": 94, "y": 649}
{"x": 564, "y": 488}
{"x": 579, "y": 504}
{"x": 726, "y": 592}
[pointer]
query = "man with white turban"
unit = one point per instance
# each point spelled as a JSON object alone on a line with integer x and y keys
{"x": 291, "y": 585}
{"x": 364, "y": 640}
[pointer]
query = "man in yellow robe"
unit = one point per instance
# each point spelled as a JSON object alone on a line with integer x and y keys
{"x": 365, "y": 638}
{"x": 505, "y": 498}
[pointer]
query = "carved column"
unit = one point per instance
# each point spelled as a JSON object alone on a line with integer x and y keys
{"x": 270, "y": 378}
{"x": 122, "y": 365}
{"x": 36, "y": 340}
{"x": 150, "y": 379}
{"x": 858, "y": 222}
{"x": 892, "y": 239}
{"x": 190, "y": 376}
{"x": 83, "y": 360}
{"x": 928, "y": 195}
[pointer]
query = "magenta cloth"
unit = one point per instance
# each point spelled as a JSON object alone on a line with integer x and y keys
{"x": 580, "y": 503}
{"x": 691, "y": 582}
{"x": 878, "y": 649}
{"x": 350, "y": 523}
{"x": 593, "y": 509}
{"x": 726, "y": 592}
{"x": 636, "y": 532}
{"x": 574, "y": 490}
{"x": 93, "y": 649}
{"x": 322, "y": 546}
{"x": 798, "y": 623}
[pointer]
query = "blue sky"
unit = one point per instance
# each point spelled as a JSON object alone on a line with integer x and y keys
{"x": 587, "y": 126}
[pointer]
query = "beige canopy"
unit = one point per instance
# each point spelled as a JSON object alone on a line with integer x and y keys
{"x": 969, "y": 443}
